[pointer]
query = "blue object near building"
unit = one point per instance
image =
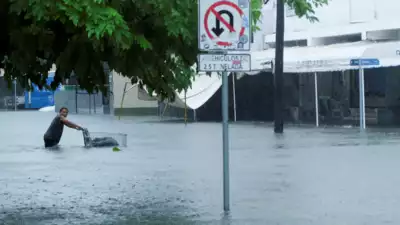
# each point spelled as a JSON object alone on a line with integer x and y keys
{"x": 40, "y": 98}
{"x": 364, "y": 62}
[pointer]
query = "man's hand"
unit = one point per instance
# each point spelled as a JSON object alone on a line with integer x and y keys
{"x": 79, "y": 128}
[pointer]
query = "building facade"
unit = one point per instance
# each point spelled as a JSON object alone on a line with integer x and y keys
{"x": 347, "y": 31}
{"x": 339, "y": 21}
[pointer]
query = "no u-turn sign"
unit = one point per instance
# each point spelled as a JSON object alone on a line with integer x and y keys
{"x": 224, "y": 25}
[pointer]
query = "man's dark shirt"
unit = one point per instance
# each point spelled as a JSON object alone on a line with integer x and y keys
{"x": 55, "y": 130}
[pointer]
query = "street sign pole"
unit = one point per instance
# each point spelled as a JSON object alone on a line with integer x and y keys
{"x": 223, "y": 26}
{"x": 362, "y": 95}
{"x": 225, "y": 140}
{"x": 362, "y": 63}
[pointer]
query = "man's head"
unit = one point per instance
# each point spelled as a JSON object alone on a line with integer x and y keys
{"x": 64, "y": 111}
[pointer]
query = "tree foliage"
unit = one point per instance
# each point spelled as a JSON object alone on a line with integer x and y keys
{"x": 152, "y": 42}
{"x": 305, "y": 8}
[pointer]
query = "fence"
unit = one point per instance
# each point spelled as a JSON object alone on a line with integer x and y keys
{"x": 80, "y": 101}
{"x": 88, "y": 103}
{"x": 11, "y": 98}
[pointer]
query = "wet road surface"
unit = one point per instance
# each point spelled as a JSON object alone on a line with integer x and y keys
{"x": 172, "y": 174}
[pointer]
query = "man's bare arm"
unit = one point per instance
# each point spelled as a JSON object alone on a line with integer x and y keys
{"x": 69, "y": 123}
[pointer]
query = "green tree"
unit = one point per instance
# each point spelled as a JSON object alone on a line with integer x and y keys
{"x": 152, "y": 42}
{"x": 305, "y": 8}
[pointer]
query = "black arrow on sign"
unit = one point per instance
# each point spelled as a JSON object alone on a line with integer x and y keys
{"x": 218, "y": 30}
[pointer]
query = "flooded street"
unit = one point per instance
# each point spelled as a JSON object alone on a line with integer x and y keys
{"x": 172, "y": 174}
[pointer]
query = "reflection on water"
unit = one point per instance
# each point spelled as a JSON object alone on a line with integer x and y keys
{"x": 172, "y": 174}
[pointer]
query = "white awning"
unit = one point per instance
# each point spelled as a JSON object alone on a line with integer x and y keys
{"x": 203, "y": 88}
{"x": 331, "y": 57}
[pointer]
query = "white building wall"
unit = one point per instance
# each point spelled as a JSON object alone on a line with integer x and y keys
{"x": 339, "y": 17}
{"x": 131, "y": 99}
{"x": 265, "y": 24}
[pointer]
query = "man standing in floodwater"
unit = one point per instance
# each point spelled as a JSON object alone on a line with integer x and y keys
{"x": 54, "y": 132}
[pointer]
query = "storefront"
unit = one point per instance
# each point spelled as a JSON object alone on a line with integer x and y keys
{"x": 340, "y": 63}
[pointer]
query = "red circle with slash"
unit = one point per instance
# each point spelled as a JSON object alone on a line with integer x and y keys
{"x": 211, "y": 10}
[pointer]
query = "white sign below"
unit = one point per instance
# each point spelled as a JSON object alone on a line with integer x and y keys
{"x": 221, "y": 62}
{"x": 224, "y": 25}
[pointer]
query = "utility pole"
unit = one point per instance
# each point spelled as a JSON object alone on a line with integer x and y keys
{"x": 278, "y": 69}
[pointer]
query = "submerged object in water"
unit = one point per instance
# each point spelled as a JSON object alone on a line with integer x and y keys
{"x": 98, "y": 141}
{"x": 104, "y": 142}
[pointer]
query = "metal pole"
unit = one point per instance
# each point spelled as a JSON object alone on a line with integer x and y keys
{"x": 30, "y": 94}
{"x": 234, "y": 95}
{"x": 111, "y": 91}
{"x": 111, "y": 88}
{"x": 362, "y": 96}
{"x": 15, "y": 95}
{"x": 316, "y": 100}
{"x": 94, "y": 102}
{"x": 76, "y": 98}
{"x": 107, "y": 107}
{"x": 278, "y": 67}
{"x": 90, "y": 103}
{"x": 194, "y": 115}
{"x": 122, "y": 99}
{"x": 185, "y": 116}
{"x": 225, "y": 140}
